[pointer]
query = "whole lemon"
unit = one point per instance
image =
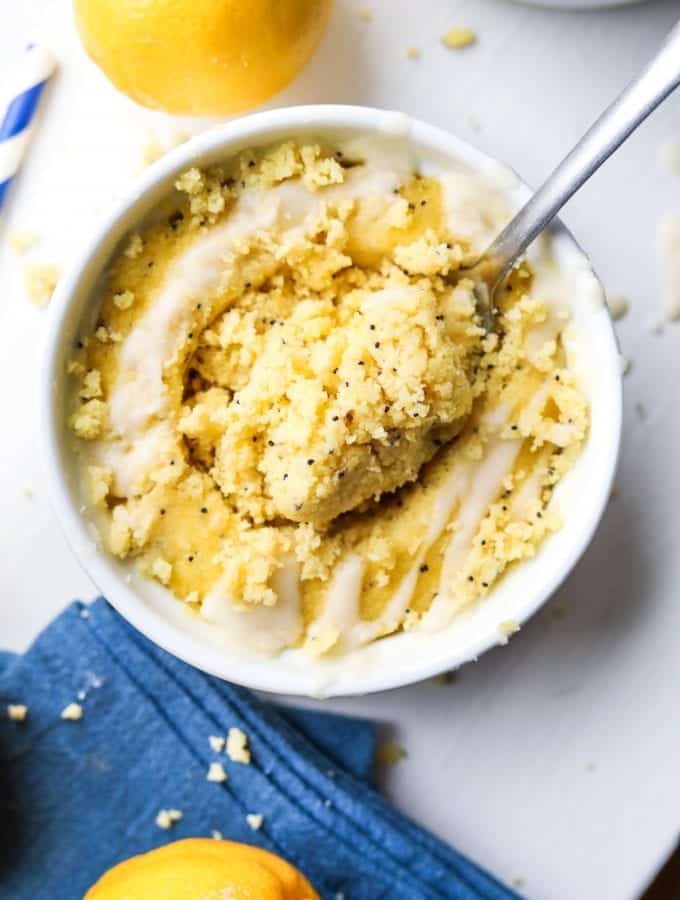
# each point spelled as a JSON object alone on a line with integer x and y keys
{"x": 201, "y": 57}
{"x": 201, "y": 868}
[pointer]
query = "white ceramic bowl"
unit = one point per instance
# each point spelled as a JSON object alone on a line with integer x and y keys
{"x": 393, "y": 661}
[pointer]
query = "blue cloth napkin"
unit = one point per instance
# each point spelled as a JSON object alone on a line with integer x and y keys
{"x": 79, "y": 796}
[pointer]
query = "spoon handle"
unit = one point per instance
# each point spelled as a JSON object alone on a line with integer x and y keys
{"x": 660, "y": 77}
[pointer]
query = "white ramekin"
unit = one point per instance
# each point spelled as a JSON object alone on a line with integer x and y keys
{"x": 393, "y": 661}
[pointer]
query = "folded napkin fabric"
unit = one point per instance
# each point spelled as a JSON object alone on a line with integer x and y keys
{"x": 81, "y": 794}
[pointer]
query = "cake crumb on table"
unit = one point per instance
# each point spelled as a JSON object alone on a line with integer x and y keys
{"x": 17, "y": 712}
{"x": 72, "y": 713}
{"x": 154, "y": 148}
{"x": 255, "y": 820}
{"x": 237, "y": 746}
{"x": 216, "y": 773}
{"x": 166, "y": 818}
{"x": 457, "y": 38}
{"x": 216, "y": 743}
{"x": 40, "y": 280}
{"x": 389, "y": 752}
{"x": 618, "y": 306}
{"x": 22, "y": 240}
{"x": 365, "y": 15}
{"x": 413, "y": 53}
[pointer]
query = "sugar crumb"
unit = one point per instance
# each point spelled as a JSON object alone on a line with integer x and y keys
{"x": 92, "y": 385}
{"x": 124, "y": 299}
{"x": 216, "y": 743}
{"x": 255, "y": 820}
{"x": 134, "y": 247}
{"x": 166, "y": 818}
{"x": 190, "y": 182}
{"x": 75, "y": 367}
{"x": 457, "y": 38}
{"x": 72, "y": 713}
{"x": 17, "y": 712}
{"x": 237, "y": 746}
{"x": 154, "y": 148}
{"x": 216, "y": 835}
{"x": 88, "y": 421}
{"x": 216, "y": 773}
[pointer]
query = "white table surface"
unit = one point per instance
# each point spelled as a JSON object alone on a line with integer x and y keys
{"x": 553, "y": 760}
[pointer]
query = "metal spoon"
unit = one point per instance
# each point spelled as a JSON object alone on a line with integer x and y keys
{"x": 656, "y": 81}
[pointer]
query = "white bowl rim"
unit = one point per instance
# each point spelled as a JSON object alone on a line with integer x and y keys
{"x": 258, "y": 129}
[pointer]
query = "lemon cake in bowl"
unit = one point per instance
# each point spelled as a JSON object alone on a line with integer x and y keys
{"x": 281, "y": 440}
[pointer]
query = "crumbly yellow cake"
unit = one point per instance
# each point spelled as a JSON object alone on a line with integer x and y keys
{"x": 289, "y": 415}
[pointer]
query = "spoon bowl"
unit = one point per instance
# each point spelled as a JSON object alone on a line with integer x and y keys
{"x": 651, "y": 87}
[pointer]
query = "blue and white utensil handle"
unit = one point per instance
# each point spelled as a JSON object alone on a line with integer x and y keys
{"x": 16, "y": 125}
